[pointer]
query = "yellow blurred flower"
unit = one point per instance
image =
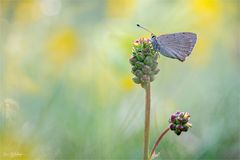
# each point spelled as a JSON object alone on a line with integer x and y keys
{"x": 27, "y": 11}
{"x": 207, "y": 12}
{"x": 207, "y": 17}
{"x": 208, "y": 6}
{"x": 127, "y": 83}
{"x": 125, "y": 44}
{"x": 120, "y": 8}
{"x": 108, "y": 81}
{"x": 13, "y": 148}
{"x": 63, "y": 44}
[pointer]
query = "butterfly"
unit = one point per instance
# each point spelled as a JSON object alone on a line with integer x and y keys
{"x": 175, "y": 45}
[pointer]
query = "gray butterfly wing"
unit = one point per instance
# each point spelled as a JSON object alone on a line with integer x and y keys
{"x": 176, "y": 45}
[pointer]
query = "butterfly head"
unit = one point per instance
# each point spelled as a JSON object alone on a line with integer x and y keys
{"x": 154, "y": 41}
{"x": 153, "y": 35}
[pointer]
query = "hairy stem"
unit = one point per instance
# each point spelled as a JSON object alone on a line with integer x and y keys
{"x": 158, "y": 141}
{"x": 147, "y": 120}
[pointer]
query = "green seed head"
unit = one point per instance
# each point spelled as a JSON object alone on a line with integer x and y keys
{"x": 178, "y": 122}
{"x": 144, "y": 61}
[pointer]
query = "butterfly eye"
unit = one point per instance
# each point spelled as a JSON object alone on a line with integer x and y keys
{"x": 153, "y": 36}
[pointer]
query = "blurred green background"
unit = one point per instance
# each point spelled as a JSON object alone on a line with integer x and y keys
{"x": 66, "y": 89}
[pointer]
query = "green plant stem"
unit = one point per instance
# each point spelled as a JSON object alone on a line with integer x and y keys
{"x": 158, "y": 141}
{"x": 147, "y": 120}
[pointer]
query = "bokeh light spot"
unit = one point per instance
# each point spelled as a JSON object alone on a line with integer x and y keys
{"x": 63, "y": 44}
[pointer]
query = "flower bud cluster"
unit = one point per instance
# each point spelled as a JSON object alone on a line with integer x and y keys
{"x": 144, "y": 61}
{"x": 179, "y": 122}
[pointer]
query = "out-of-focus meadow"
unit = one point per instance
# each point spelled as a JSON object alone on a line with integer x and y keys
{"x": 66, "y": 89}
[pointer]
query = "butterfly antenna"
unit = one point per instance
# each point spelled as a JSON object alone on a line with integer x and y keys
{"x": 144, "y": 28}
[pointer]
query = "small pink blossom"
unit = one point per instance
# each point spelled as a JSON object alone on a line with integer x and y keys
{"x": 141, "y": 40}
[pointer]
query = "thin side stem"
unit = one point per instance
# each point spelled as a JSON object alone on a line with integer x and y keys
{"x": 158, "y": 141}
{"x": 147, "y": 120}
